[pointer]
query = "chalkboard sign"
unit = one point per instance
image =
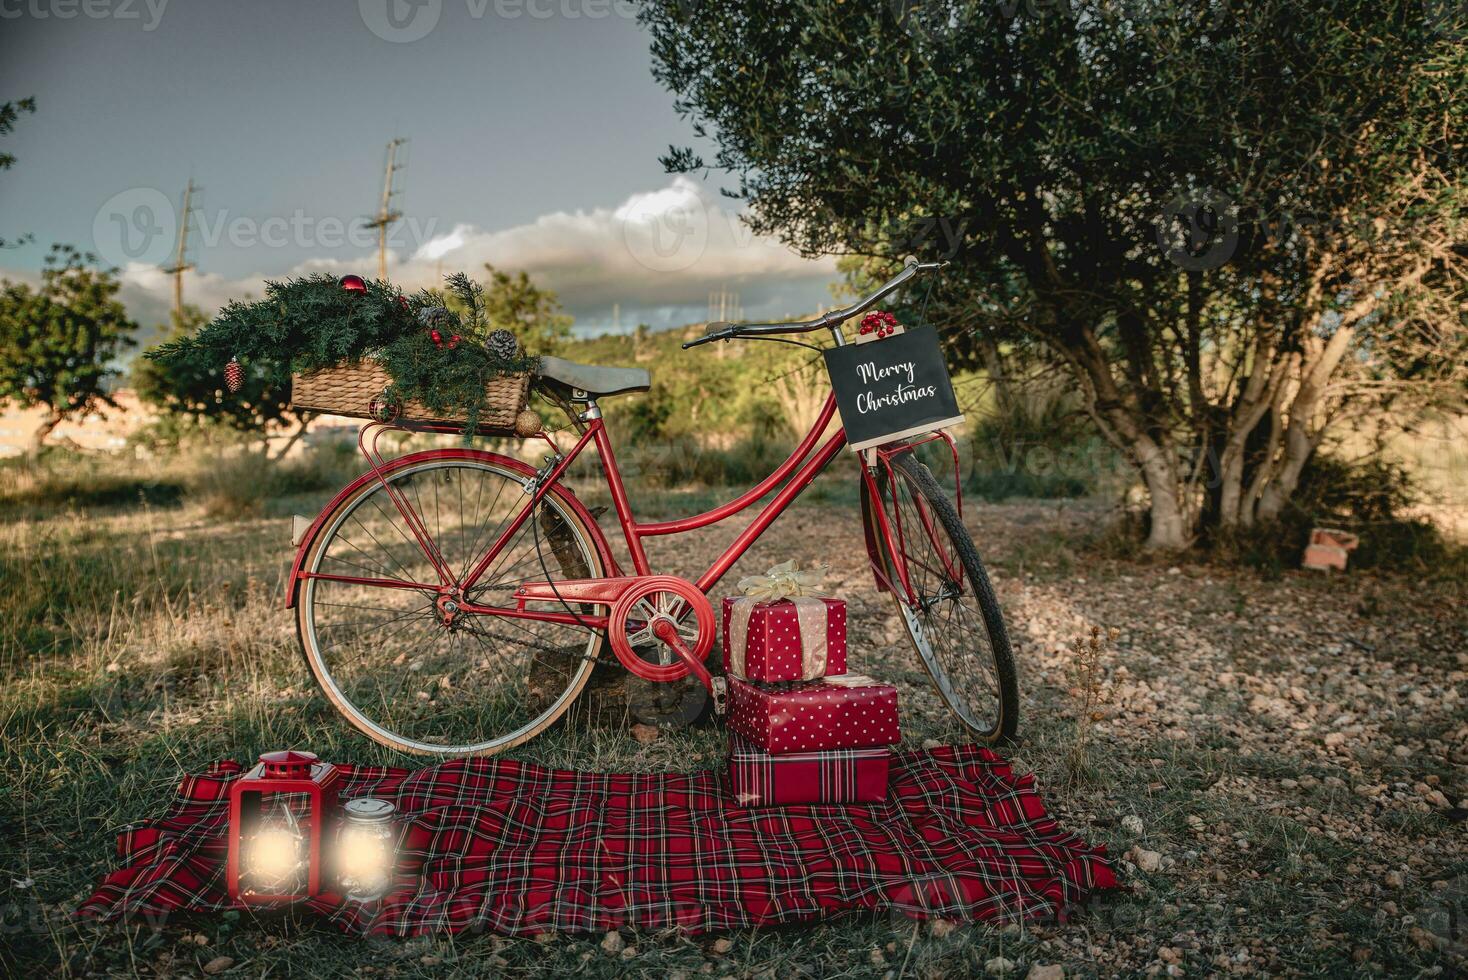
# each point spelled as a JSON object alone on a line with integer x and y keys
{"x": 891, "y": 389}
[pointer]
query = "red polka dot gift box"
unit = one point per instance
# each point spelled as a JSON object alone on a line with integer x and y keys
{"x": 761, "y": 778}
{"x": 833, "y": 713}
{"x": 800, "y": 639}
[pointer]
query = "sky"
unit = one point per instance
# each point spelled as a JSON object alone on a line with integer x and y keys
{"x": 534, "y": 131}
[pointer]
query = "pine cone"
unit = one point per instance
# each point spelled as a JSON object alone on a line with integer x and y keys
{"x": 234, "y": 375}
{"x": 503, "y": 345}
{"x": 440, "y": 317}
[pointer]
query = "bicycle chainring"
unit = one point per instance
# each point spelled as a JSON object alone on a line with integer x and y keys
{"x": 660, "y": 597}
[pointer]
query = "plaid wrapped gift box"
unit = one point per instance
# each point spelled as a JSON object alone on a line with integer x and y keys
{"x": 833, "y": 713}
{"x": 760, "y": 778}
{"x": 776, "y": 647}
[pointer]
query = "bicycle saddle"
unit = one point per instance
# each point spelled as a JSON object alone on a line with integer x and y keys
{"x": 594, "y": 380}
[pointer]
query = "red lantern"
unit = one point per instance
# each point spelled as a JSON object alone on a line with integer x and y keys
{"x": 354, "y": 284}
{"x": 274, "y": 847}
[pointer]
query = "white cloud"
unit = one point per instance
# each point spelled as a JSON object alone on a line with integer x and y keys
{"x": 657, "y": 255}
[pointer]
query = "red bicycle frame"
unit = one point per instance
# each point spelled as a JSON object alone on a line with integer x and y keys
{"x": 633, "y": 532}
{"x": 797, "y": 471}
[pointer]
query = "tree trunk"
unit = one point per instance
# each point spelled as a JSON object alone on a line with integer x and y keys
{"x": 998, "y": 374}
{"x": 1261, "y": 392}
{"x": 49, "y": 422}
{"x": 1305, "y": 426}
{"x": 1277, "y": 492}
{"x": 1171, "y": 530}
{"x": 1123, "y": 425}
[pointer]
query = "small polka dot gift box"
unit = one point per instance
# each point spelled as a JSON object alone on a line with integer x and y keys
{"x": 798, "y": 639}
{"x": 760, "y": 778}
{"x": 833, "y": 713}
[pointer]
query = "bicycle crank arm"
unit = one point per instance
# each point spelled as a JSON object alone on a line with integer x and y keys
{"x": 668, "y": 634}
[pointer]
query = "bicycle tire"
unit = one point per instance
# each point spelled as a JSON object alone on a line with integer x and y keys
{"x": 585, "y": 551}
{"x": 1000, "y": 653}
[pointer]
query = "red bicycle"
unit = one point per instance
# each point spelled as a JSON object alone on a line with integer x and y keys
{"x": 455, "y": 601}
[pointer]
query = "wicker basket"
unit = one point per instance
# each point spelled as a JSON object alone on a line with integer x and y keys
{"x": 349, "y": 389}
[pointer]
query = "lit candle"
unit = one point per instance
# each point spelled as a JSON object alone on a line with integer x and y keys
{"x": 276, "y": 855}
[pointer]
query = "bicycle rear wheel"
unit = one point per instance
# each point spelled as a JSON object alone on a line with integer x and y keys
{"x": 953, "y": 620}
{"x": 385, "y": 657}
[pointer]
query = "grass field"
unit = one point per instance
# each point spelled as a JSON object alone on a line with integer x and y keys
{"x": 1285, "y": 756}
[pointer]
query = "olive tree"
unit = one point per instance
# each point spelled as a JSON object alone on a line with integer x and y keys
{"x": 1237, "y": 226}
{"x": 59, "y": 342}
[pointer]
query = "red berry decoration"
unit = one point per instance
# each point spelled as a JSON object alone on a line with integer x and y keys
{"x": 436, "y": 337}
{"x": 354, "y": 284}
{"x": 880, "y": 322}
{"x": 234, "y": 375}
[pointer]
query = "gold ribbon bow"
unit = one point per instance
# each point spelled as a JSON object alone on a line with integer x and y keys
{"x": 782, "y": 582}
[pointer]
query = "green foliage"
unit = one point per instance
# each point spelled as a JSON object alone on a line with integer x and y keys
{"x": 58, "y": 341}
{"x": 9, "y": 113}
{"x": 194, "y": 388}
{"x": 301, "y": 325}
{"x": 1289, "y": 168}
{"x": 311, "y": 323}
{"x": 682, "y": 463}
{"x": 532, "y": 314}
{"x": 711, "y": 392}
{"x": 1035, "y": 442}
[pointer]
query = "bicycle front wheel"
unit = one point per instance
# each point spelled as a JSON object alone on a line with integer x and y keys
{"x": 952, "y": 617}
{"x": 384, "y": 656}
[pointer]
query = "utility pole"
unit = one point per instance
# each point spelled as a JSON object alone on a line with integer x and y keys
{"x": 725, "y": 305}
{"x": 181, "y": 263}
{"x": 386, "y": 215}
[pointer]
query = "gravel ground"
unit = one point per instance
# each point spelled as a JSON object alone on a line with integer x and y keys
{"x": 1279, "y": 763}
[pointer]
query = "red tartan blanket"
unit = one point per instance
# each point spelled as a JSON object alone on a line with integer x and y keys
{"x": 494, "y": 844}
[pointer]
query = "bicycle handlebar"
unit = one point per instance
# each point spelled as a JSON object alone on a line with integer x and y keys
{"x": 723, "y": 330}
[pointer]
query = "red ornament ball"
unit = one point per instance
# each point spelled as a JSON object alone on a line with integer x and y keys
{"x": 354, "y": 284}
{"x": 234, "y": 375}
{"x": 385, "y": 407}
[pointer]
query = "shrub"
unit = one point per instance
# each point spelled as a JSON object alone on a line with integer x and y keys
{"x": 1036, "y": 443}
{"x": 238, "y": 485}
{"x": 61, "y": 478}
{"x": 1372, "y": 498}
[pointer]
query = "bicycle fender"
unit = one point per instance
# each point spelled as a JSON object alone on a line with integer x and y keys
{"x": 293, "y": 583}
{"x": 869, "y": 531}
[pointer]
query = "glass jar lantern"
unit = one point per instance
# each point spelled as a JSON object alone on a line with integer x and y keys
{"x": 366, "y": 849}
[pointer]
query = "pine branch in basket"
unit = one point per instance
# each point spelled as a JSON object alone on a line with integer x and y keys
{"x": 310, "y": 323}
